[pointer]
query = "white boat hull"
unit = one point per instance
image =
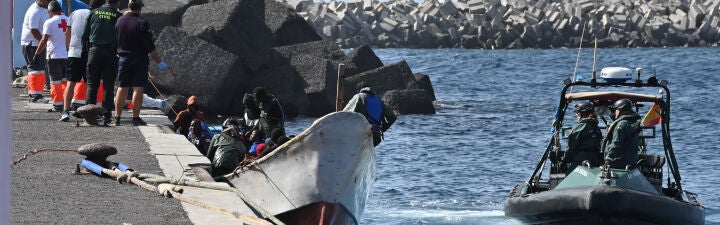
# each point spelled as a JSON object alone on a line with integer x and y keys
{"x": 328, "y": 168}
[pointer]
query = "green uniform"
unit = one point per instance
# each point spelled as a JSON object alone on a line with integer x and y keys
{"x": 621, "y": 146}
{"x": 100, "y": 27}
{"x": 225, "y": 152}
{"x": 584, "y": 144}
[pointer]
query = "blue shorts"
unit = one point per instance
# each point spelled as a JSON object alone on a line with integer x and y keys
{"x": 133, "y": 71}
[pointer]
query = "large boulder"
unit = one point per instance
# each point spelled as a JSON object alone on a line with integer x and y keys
{"x": 424, "y": 83}
{"x": 362, "y": 59}
{"x": 236, "y": 26}
{"x": 400, "y": 89}
{"x": 316, "y": 63}
{"x": 397, "y": 76}
{"x": 162, "y": 13}
{"x": 285, "y": 84}
{"x": 411, "y": 101}
{"x": 287, "y": 27}
{"x": 203, "y": 70}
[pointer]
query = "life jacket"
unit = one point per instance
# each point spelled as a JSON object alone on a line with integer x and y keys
{"x": 373, "y": 110}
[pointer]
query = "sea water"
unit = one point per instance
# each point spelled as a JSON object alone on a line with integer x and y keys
{"x": 493, "y": 121}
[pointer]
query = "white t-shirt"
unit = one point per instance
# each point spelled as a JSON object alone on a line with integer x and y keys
{"x": 35, "y": 16}
{"x": 56, "y": 27}
{"x": 78, "y": 19}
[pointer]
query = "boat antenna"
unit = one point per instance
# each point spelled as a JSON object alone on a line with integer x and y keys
{"x": 577, "y": 59}
{"x": 594, "y": 71}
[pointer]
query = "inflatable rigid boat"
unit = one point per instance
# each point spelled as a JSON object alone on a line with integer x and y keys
{"x": 604, "y": 195}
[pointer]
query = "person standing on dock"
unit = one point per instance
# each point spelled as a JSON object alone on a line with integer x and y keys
{"x": 55, "y": 39}
{"x": 379, "y": 115}
{"x": 621, "y": 146}
{"x": 100, "y": 38}
{"x": 32, "y": 25}
{"x": 77, "y": 57}
{"x": 135, "y": 43}
{"x": 584, "y": 138}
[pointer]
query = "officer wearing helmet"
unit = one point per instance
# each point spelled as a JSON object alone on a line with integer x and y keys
{"x": 226, "y": 149}
{"x": 584, "y": 138}
{"x": 621, "y": 146}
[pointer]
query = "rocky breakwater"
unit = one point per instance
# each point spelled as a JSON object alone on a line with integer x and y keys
{"x": 222, "y": 49}
{"x": 510, "y": 24}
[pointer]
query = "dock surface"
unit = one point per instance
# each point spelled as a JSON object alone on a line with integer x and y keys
{"x": 45, "y": 189}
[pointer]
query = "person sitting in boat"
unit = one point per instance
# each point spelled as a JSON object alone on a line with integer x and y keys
{"x": 226, "y": 149}
{"x": 199, "y": 136}
{"x": 584, "y": 138}
{"x": 271, "y": 112}
{"x": 273, "y": 141}
{"x": 379, "y": 115}
{"x": 257, "y": 143}
{"x": 183, "y": 118}
{"x": 621, "y": 146}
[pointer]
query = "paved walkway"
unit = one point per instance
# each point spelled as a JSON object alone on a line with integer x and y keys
{"x": 45, "y": 191}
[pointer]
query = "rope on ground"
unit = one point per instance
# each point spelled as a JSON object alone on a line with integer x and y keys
{"x": 36, "y": 151}
{"x": 130, "y": 178}
{"x": 170, "y": 190}
{"x": 158, "y": 90}
{"x": 174, "y": 191}
{"x": 217, "y": 186}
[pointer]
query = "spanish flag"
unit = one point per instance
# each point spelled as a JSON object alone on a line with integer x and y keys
{"x": 652, "y": 117}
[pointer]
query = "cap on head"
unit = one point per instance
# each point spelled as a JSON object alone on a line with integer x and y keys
{"x": 622, "y": 104}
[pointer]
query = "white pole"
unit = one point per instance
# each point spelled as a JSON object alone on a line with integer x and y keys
{"x": 5, "y": 116}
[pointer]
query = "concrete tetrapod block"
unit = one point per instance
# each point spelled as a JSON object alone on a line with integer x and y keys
{"x": 424, "y": 83}
{"x": 203, "y": 70}
{"x": 286, "y": 26}
{"x": 362, "y": 59}
{"x": 413, "y": 101}
{"x": 397, "y": 76}
{"x": 236, "y": 26}
{"x": 161, "y": 13}
{"x": 287, "y": 85}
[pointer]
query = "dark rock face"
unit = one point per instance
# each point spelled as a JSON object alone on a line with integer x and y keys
{"x": 363, "y": 58}
{"x": 286, "y": 26}
{"x": 285, "y": 84}
{"x": 203, "y": 70}
{"x": 412, "y": 101}
{"x": 396, "y": 76}
{"x": 399, "y": 88}
{"x": 424, "y": 83}
{"x": 316, "y": 63}
{"x": 223, "y": 49}
{"x": 236, "y": 26}
{"x": 164, "y": 13}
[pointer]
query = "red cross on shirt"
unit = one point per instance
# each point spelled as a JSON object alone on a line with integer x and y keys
{"x": 63, "y": 25}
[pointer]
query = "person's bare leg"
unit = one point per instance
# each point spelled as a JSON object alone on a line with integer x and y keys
{"x": 137, "y": 100}
{"x": 120, "y": 100}
{"x": 69, "y": 91}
